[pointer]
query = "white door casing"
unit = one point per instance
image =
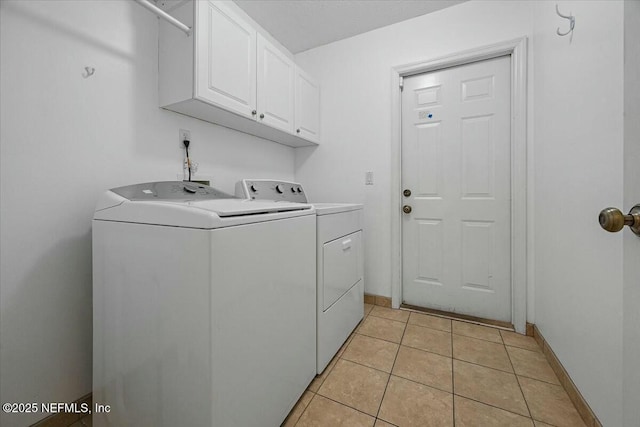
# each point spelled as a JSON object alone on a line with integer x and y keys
{"x": 521, "y": 171}
{"x": 456, "y": 162}
{"x": 225, "y": 58}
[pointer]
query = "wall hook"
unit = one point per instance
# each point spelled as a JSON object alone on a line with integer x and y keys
{"x": 572, "y": 24}
{"x": 88, "y": 72}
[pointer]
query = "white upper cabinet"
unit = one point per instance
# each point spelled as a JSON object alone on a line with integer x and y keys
{"x": 275, "y": 87}
{"x": 225, "y": 58}
{"x": 307, "y": 107}
{"x": 230, "y": 74}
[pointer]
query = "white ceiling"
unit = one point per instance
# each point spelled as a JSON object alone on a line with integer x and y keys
{"x": 304, "y": 24}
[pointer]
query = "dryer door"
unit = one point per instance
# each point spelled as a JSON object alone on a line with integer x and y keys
{"x": 341, "y": 266}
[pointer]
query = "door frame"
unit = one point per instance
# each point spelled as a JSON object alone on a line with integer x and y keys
{"x": 517, "y": 50}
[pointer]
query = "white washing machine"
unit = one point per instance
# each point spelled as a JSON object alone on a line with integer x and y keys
{"x": 204, "y": 307}
{"x": 340, "y": 262}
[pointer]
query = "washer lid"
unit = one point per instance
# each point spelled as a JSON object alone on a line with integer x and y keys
{"x": 165, "y": 203}
{"x": 225, "y": 208}
{"x": 170, "y": 190}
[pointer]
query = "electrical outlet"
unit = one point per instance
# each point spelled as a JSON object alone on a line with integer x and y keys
{"x": 184, "y": 135}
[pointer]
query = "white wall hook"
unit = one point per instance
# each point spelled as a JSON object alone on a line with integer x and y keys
{"x": 572, "y": 24}
{"x": 88, "y": 72}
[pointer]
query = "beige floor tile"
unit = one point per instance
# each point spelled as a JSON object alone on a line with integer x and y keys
{"x": 315, "y": 384}
{"x": 62, "y": 419}
{"x": 380, "y": 423}
{"x": 384, "y": 329}
{"x": 345, "y": 345}
{"x": 517, "y": 340}
{"x": 319, "y": 379}
{"x": 489, "y": 386}
{"x": 481, "y": 352}
{"x": 356, "y": 386}
{"x": 298, "y": 409}
{"x": 549, "y": 403}
{"x": 407, "y": 403}
{"x": 476, "y": 331}
{"x": 367, "y": 308}
{"x": 428, "y": 339}
{"x": 83, "y": 422}
{"x": 469, "y": 413}
{"x": 323, "y": 412}
{"x": 532, "y": 364}
{"x": 424, "y": 367}
{"x": 372, "y": 352}
{"x": 541, "y": 424}
{"x": 432, "y": 322}
{"x": 389, "y": 313}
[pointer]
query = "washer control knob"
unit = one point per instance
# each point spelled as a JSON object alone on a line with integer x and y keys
{"x": 280, "y": 188}
{"x": 293, "y": 190}
{"x": 253, "y": 188}
{"x": 299, "y": 190}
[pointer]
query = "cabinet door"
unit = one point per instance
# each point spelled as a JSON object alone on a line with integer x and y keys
{"x": 307, "y": 107}
{"x": 225, "y": 48}
{"x": 275, "y": 86}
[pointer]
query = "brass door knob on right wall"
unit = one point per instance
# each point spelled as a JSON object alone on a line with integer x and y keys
{"x": 406, "y": 209}
{"x": 611, "y": 219}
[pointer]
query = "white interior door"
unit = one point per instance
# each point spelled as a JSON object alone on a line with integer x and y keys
{"x": 456, "y": 241}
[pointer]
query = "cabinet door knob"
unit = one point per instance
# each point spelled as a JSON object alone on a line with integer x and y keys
{"x": 254, "y": 112}
{"x": 262, "y": 116}
{"x": 297, "y": 130}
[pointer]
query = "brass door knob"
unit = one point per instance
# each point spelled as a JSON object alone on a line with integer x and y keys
{"x": 407, "y": 193}
{"x": 611, "y": 219}
{"x": 406, "y": 209}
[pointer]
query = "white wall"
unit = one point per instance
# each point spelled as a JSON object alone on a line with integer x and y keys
{"x": 575, "y": 138}
{"x": 631, "y": 295}
{"x": 578, "y": 131}
{"x": 64, "y": 140}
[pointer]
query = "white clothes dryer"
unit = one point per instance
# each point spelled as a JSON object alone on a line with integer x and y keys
{"x": 340, "y": 262}
{"x": 204, "y": 307}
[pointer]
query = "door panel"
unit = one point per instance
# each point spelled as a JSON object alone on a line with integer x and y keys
{"x": 430, "y": 251}
{"x": 456, "y": 161}
{"x": 307, "y": 117}
{"x": 429, "y": 160}
{"x": 226, "y": 58}
{"x": 275, "y": 86}
{"x": 477, "y": 157}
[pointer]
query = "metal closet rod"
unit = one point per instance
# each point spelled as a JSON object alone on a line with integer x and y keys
{"x": 164, "y": 15}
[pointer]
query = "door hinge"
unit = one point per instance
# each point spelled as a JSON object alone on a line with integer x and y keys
{"x": 401, "y": 82}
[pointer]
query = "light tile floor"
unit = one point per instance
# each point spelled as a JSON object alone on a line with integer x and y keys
{"x": 83, "y": 422}
{"x": 402, "y": 368}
